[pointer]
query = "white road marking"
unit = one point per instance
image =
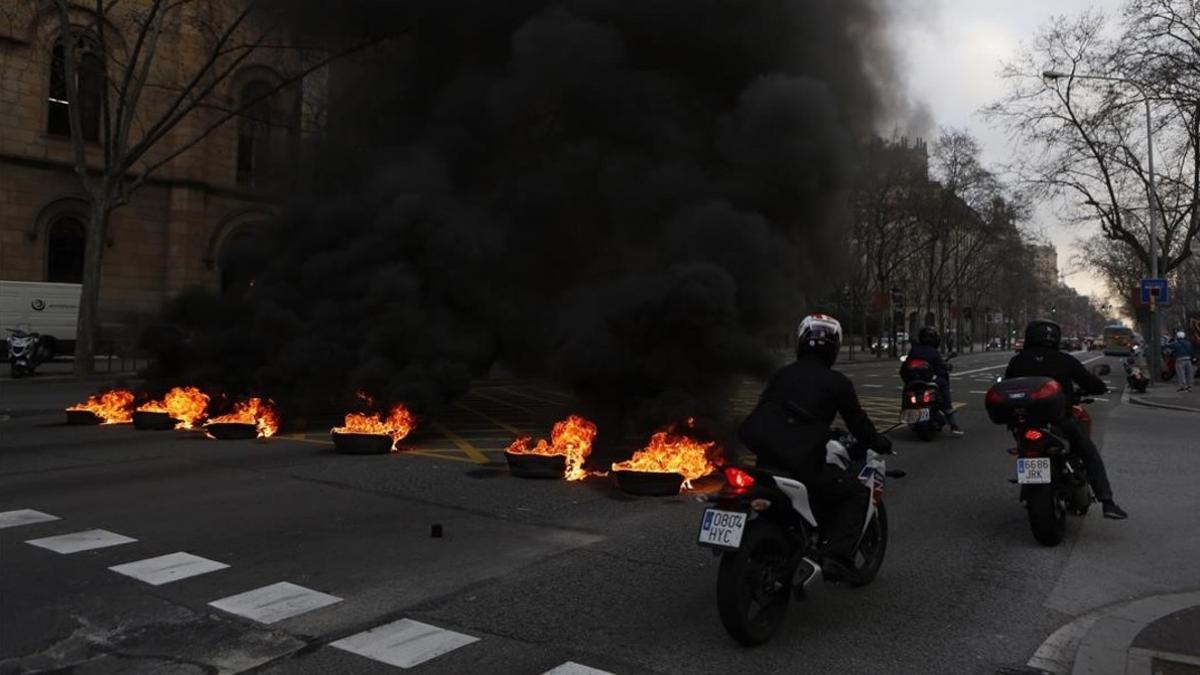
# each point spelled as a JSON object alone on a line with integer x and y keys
{"x": 404, "y": 643}
{"x": 276, "y": 602}
{"x": 874, "y": 386}
{"x": 24, "y": 517}
{"x": 167, "y": 568}
{"x": 977, "y": 391}
{"x": 572, "y": 668}
{"x": 81, "y": 541}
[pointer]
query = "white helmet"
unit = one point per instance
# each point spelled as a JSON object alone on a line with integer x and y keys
{"x": 819, "y": 334}
{"x": 1181, "y": 335}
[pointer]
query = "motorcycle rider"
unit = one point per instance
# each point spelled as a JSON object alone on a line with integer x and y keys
{"x": 926, "y": 347}
{"x": 1042, "y": 357}
{"x": 789, "y": 427}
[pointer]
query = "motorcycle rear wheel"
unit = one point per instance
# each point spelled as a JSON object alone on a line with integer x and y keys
{"x": 871, "y": 548}
{"x": 924, "y": 432}
{"x": 754, "y": 584}
{"x": 1047, "y": 514}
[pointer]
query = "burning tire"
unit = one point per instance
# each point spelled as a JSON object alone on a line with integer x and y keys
{"x": 649, "y": 483}
{"x": 153, "y": 421}
{"x": 231, "y": 431}
{"x": 83, "y": 417}
{"x": 361, "y": 444}
{"x": 754, "y": 584}
{"x": 537, "y": 466}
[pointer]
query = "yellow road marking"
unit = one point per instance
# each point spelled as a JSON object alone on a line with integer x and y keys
{"x": 500, "y": 423}
{"x": 438, "y": 455}
{"x": 563, "y": 403}
{"x": 467, "y": 449}
{"x": 501, "y": 401}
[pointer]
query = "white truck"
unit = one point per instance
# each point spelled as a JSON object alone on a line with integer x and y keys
{"x": 41, "y": 307}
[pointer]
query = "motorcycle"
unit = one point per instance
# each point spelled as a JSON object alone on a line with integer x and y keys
{"x": 1168, "y": 363}
{"x": 766, "y": 531}
{"x": 27, "y": 351}
{"x": 1135, "y": 377}
{"x": 1053, "y": 479}
{"x": 921, "y": 401}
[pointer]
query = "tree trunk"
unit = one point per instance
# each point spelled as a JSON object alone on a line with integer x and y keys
{"x": 89, "y": 297}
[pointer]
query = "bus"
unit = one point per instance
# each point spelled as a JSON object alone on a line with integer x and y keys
{"x": 1118, "y": 341}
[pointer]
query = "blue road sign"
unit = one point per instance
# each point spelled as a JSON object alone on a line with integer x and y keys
{"x": 1157, "y": 289}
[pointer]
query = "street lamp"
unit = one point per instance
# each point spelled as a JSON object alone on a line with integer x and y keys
{"x": 1053, "y": 75}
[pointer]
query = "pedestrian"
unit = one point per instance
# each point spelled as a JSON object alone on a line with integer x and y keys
{"x": 1184, "y": 367}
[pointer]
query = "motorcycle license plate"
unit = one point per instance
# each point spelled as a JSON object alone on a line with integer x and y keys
{"x": 914, "y": 415}
{"x": 722, "y": 529}
{"x": 1033, "y": 470}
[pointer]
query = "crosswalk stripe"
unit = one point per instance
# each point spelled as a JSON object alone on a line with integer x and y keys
{"x": 23, "y": 517}
{"x": 274, "y": 603}
{"x": 404, "y": 643}
{"x": 167, "y": 568}
{"x": 572, "y": 668}
{"x": 86, "y": 540}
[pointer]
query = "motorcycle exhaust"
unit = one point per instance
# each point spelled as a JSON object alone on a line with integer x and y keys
{"x": 808, "y": 572}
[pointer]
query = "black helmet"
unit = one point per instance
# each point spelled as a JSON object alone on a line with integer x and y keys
{"x": 821, "y": 335}
{"x": 928, "y": 335}
{"x": 1043, "y": 333}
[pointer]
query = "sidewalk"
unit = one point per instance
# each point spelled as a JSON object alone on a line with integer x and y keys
{"x": 62, "y": 370}
{"x": 1164, "y": 395}
{"x": 1157, "y": 635}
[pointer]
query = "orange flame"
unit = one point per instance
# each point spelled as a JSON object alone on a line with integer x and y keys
{"x": 571, "y": 438}
{"x": 399, "y": 423}
{"x": 670, "y": 451}
{"x": 185, "y": 404}
{"x": 112, "y": 407}
{"x": 254, "y": 411}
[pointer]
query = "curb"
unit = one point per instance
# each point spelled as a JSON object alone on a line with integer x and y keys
{"x": 61, "y": 379}
{"x": 1166, "y": 406}
{"x": 1101, "y": 642}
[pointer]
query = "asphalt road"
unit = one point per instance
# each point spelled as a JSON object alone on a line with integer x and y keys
{"x": 532, "y": 575}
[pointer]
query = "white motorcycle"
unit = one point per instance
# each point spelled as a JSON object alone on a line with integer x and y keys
{"x": 27, "y": 351}
{"x": 766, "y": 531}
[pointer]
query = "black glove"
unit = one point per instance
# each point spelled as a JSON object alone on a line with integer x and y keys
{"x": 883, "y": 445}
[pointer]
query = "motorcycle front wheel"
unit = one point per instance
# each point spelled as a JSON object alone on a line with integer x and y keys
{"x": 754, "y": 584}
{"x": 17, "y": 370}
{"x": 869, "y": 556}
{"x": 1047, "y": 514}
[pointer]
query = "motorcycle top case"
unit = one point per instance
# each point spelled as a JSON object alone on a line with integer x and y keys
{"x": 916, "y": 369}
{"x": 1029, "y": 400}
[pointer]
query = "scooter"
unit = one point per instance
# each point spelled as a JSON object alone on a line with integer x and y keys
{"x": 27, "y": 351}
{"x": 766, "y": 531}
{"x": 1135, "y": 377}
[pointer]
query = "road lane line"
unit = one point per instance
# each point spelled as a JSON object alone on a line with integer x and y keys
{"x": 564, "y": 402}
{"x": 404, "y": 643}
{"x": 86, "y": 540}
{"x": 24, "y": 517}
{"x": 274, "y": 603}
{"x": 874, "y": 386}
{"x": 167, "y": 568}
{"x": 505, "y": 403}
{"x": 498, "y": 422}
{"x": 572, "y": 668}
{"x": 462, "y": 444}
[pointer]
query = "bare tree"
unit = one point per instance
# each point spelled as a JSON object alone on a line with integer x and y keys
{"x": 157, "y": 104}
{"x": 1087, "y": 139}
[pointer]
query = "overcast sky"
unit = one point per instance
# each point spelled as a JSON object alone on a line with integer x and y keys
{"x": 952, "y": 50}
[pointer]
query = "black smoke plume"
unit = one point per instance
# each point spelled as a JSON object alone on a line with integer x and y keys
{"x": 633, "y": 198}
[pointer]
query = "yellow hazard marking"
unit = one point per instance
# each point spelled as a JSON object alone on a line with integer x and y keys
{"x": 498, "y": 422}
{"x": 503, "y": 402}
{"x": 467, "y": 449}
{"x": 561, "y": 403}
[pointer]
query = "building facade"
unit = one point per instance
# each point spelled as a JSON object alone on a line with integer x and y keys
{"x": 1045, "y": 266}
{"x": 177, "y": 228}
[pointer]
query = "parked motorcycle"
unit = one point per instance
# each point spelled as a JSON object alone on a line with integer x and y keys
{"x": 1052, "y": 478}
{"x": 921, "y": 401}
{"x": 766, "y": 531}
{"x": 27, "y": 351}
{"x": 1135, "y": 377}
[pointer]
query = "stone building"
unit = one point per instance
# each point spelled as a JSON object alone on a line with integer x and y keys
{"x": 178, "y": 228}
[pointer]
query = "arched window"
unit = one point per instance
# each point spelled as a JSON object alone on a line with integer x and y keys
{"x": 254, "y": 134}
{"x": 89, "y": 77}
{"x": 64, "y": 251}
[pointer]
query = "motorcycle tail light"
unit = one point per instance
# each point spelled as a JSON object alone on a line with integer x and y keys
{"x": 916, "y": 363}
{"x": 1033, "y": 435}
{"x": 738, "y": 478}
{"x": 994, "y": 397}
{"x": 927, "y": 397}
{"x": 1051, "y": 388}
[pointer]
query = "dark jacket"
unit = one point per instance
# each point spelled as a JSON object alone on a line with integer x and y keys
{"x": 933, "y": 356}
{"x": 1056, "y": 364}
{"x": 1182, "y": 348}
{"x": 788, "y": 428}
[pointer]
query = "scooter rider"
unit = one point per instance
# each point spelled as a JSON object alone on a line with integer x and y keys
{"x": 789, "y": 427}
{"x": 926, "y": 347}
{"x": 1042, "y": 356}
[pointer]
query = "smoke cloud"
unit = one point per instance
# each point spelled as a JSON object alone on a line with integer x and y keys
{"x": 632, "y": 198}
